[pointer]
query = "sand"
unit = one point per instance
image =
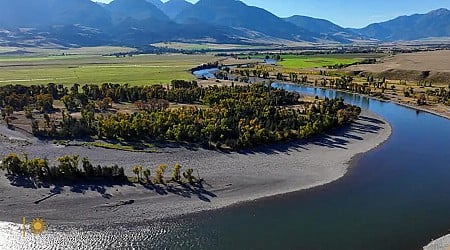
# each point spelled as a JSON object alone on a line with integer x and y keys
{"x": 231, "y": 177}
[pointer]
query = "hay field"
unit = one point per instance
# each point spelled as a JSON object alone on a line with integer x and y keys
{"x": 97, "y": 69}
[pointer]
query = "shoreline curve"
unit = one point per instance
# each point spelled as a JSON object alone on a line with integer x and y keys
{"x": 232, "y": 178}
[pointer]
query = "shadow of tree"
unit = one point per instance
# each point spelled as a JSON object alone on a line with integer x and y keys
{"x": 182, "y": 189}
{"x": 58, "y": 187}
{"x": 22, "y": 181}
{"x": 178, "y": 188}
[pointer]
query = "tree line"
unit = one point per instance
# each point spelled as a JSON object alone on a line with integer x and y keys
{"x": 441, "y": 94}
{"x": 66, "y": 169}
{"x": 69, "y": 168}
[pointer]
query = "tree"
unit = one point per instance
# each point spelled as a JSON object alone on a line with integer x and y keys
{"x": 87, "y": 167}
{"x": 68, "y": 166}
{"x": 188, "y": 175}
{"x": 137, "y": 171}
{"x": 69, "y": 102}
{"x": 159, "y": 177}
{"x": 147, "y": 174}
{"x": 44, "y": 102}
{"x": 12, "y": 164}
{"x": 176, "y": 174}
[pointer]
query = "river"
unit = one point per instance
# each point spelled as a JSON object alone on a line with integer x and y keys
{"x": 396, "y": 196}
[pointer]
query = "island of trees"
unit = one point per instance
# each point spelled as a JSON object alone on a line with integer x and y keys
{"x": 232, "y": 117}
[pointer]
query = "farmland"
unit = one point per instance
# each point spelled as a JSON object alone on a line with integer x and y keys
{"x": 97, "y": 69}
{"x": 316, "y": 61}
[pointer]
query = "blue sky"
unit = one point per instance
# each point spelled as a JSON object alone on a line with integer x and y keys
{"x": 347, "y": 13}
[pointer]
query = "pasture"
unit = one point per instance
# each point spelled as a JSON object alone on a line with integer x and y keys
{"x": 97, "y": 69}
{"x": 315, "y": 61}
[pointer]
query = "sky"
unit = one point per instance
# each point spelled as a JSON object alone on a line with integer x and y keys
{"x": 347, "y": 13}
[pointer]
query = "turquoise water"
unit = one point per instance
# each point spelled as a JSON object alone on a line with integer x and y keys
{"x": 396, "y": 196}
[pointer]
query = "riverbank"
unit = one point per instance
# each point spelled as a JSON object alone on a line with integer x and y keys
{"x": 444, "y": 111}
{"x": 231, "y": 177}
{"x": 408, "y": 105}
{"x": 439, "y": 244}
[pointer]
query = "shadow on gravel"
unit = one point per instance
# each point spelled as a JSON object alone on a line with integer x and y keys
{"x": 57, "y": 188}
{"x": 182, "y": 189}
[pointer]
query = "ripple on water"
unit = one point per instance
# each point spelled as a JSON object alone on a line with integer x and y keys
{"x": 145, "y": 236}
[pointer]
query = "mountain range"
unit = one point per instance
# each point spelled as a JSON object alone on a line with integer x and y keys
{"x": 140, "y": 22}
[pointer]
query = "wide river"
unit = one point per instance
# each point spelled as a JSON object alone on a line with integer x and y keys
{"x": 396, "y": 196}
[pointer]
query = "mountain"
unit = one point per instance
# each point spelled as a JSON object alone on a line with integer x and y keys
{"x": 433, "y": 24}
{"x": 323, "y": 27}
{"x": 157, "y": 3}
{"x": 139, "y": 22}
{"x": 174, "y": 7}
{"x": 247, "y": 19}
{"x": 45, "y": 13}
{"x": 134, "y": 9}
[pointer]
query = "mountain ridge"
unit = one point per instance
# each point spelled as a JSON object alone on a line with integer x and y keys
{"x": 174, "y": 7}
{"x": 435, "y": 23}
{"x": 134, "y": 22}
{"x": 234, "y": 13}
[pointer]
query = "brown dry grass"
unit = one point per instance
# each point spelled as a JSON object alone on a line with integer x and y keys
{"x": 431, "y": 66}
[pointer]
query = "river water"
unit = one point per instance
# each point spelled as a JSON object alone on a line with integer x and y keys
{"x": 396, "y": 196}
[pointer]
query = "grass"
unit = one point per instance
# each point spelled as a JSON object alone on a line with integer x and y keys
{"x": 36, "y": 51}
{"x": 299, "y": 62}
{"x": 96, "y": 69}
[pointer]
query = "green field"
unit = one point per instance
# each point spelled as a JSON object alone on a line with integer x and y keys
{"x": 301, "y": 62}
{"x": 96, "y": 69}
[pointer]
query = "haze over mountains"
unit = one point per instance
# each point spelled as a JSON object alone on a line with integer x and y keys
{"x": 139, "y": 22}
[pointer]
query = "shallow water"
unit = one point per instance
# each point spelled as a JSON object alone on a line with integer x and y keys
{"x": 207, "y": 73}
{"x": 396, "y": 196}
